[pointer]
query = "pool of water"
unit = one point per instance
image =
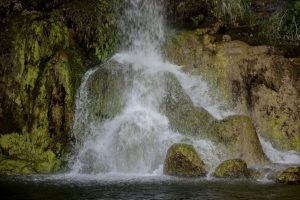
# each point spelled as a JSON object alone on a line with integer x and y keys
{"x": 62, "y": 187}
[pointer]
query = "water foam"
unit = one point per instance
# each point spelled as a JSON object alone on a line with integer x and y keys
{"x": 136, "y": 140}
{"x": 279, "y": 157}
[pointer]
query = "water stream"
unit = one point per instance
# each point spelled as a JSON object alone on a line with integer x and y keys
{"x": 135, "y": 139}
{"x": 122, "y": 134}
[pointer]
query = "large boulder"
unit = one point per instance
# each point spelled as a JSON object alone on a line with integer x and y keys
{"x": 232, "y": 169}
{"x": 254, "y": 80}
{"x": 183, "y": 160}
{"x": 238, "y": 136}
{"x": 290, "y": 176}
{"x": 183, "y": 116}
{"x": 102, "y": 96}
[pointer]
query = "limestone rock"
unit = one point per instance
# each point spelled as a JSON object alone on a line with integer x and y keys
{"x": 183, "y": 160}
{"x": 46, "y": 47}
{"x": 232, "y": 169}
{"x": 178, "y": 107}
{"x": 254, "y": 80}
{"x": 238, "y": 135}
{"x": 290, "y": 176}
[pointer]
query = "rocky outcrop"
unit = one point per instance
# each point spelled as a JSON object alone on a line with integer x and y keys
{"x": 290, "y": 176}
{"x": 232, "y": 169}
{"x": 41, "y": 64}
{"x": 183, "y": 160}
{"x": 105, "y": 93}
{"x": 238, "y": 136}
{"x": 253, "y": 80}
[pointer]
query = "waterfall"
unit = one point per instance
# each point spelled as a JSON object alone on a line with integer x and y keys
{"x": 120, "y": 124}
{"x": 135, "y": 135}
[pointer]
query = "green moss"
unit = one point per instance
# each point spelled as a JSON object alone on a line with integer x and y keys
{"x": 232, "y": 169}
{"x": 290, "y": 176}
{"x": 238, "y": 136}
{"x": 48, "y": 51}
{"x": 30, "y": 153}
{"x": 183, "y": 160}
{"x": 273, "y": 128}
{"x": 10, "y": 167}
{"x": 198, "y": 52}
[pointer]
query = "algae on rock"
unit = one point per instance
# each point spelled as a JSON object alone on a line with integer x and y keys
{"x": 183, "y": 160}
{"x": 232, "y": 169}
{"x": 253, "y": 80}
{"x": 41, "y": 64}
{"x": 237, "y": 134}
{"x": 290, "y": 176}
{"x": 183, "y": 116}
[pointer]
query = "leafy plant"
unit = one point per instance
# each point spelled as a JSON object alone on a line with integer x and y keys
{"x": 234, "y": 12}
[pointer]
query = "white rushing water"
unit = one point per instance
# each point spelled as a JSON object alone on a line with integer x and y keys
{"x": 136, "y": 140}
{"x": 279, "y": 157}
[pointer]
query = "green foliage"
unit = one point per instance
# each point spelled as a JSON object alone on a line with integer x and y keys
{"x": 188, "y": 13}
{"x": 45, "y": 56}
{"x": 284, "y": 24}
{"x": 234, "y": 12}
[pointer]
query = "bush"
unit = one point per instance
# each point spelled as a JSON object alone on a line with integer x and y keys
{"x": 284, "y": 26}
{"x": 234, "y": 12}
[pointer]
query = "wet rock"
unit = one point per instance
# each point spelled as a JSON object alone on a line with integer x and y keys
{"x": 290, "y": 176}
{"x": 42, "y": 59}
{"x": 107, "y": 89}
{"x": 232, "y": 169}
{"x": 184, "y": 117}
{"x": 183, "y": 160}
{"x": 255, "y": 80}
{"x": 237, "y": 134}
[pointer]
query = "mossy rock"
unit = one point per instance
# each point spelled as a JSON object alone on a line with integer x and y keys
{"x": 107, "y": 89}
{"x": 238, "y": 135}
{"x": 232, "y": 169}
{"x": 11, "y": 167}
{"x": 27, "y": 153}
{"x": 183, "y": 160}
{"x": 190, "y": 120}
{"x": 45, "y": 50}
{"x": 183, "y": 116}
{"x": 290, "y": 176}
{"x": 246, "y": 79}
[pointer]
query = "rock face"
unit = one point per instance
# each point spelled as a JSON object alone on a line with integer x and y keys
{"x": 41, "y": 64}
{"x": 232, "y": 169}
{"x": 237, "y": 134}
{"x": 183, "y": 160}
{"x": 255, "y": 81}
{"x": 290, "y": 176}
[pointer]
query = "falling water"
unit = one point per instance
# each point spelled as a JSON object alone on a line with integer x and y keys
{"x": 136, "y": 137}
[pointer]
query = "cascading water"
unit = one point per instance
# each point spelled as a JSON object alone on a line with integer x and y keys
{"x": 136, "y": 139}
{"x": 119, "y": 124}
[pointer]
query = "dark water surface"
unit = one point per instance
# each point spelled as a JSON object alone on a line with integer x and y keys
{"x": 62, "y": 187}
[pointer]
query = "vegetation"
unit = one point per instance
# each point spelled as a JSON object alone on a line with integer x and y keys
{"x": 46, "y": 48}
